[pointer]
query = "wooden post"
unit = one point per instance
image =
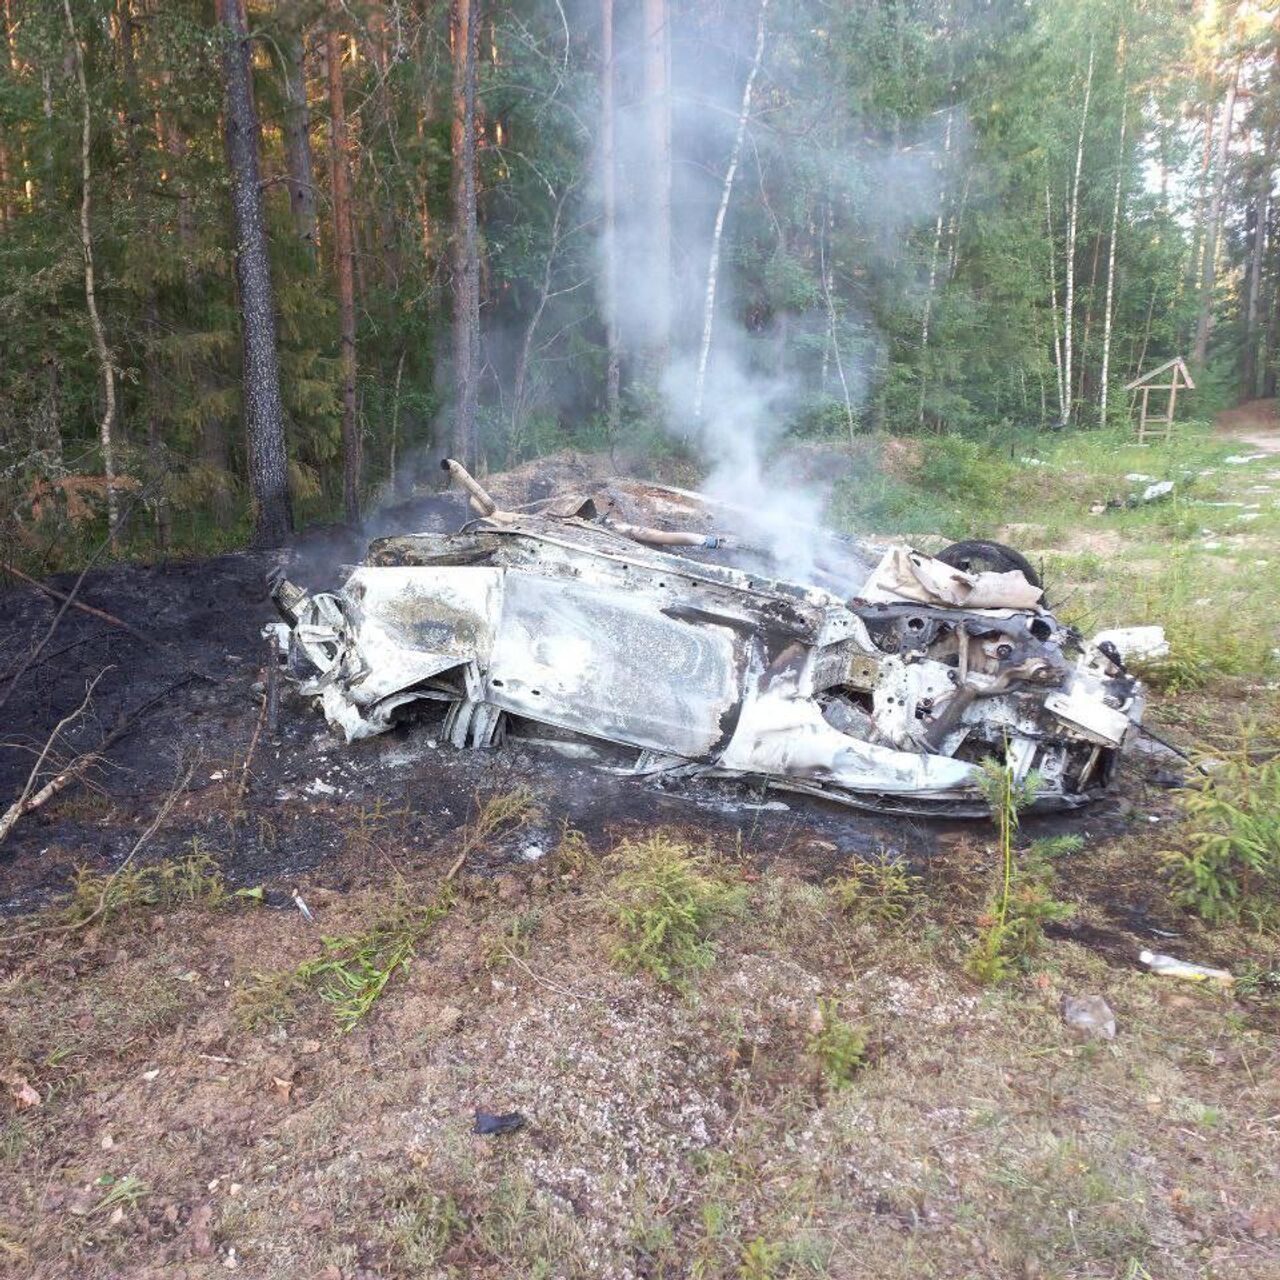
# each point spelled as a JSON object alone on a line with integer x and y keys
{"x": 1142, "y": 417}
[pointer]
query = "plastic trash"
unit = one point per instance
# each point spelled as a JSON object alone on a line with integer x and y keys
{"x": 1147, "y": 643}
{"x": 1170, "y": 967}
{"x": 302, "y": 906}
{"x": 488, "y": 1123}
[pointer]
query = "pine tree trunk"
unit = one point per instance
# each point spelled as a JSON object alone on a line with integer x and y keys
{"x": 466, "y": 261}
{"x": 656, "y": 55}
{"x": 263, "y": 406}
{"x": 1204, "y": 320}
{"x": 300, "y": 181}
{"x": 1111, "y": 259}
{"x": 344, "y": 264}
{"x": 1249, "y": 356}
{"x": 717, "y": 234}
{"x": 1073, "y": 223}
{"x": 609, "y": 231}
{"x": 106, "y": 365}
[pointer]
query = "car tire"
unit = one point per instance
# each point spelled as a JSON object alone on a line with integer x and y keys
{"x": 981, "y": 556}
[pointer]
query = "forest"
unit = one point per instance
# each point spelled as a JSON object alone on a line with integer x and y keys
{"x": 259, "y": 261}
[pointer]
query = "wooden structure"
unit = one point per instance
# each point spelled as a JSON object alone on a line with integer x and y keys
{"x": 1160, "y": 428}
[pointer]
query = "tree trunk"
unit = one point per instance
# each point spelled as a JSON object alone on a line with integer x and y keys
{"x": 1053, "y": 304}
{"x": 1249, "y": 357}
{"x": 300, "y": 181}
{"x": 1088, "y": 318}
{"x": 933, "y": 265}
{"x": 106, "y": 366}
{"x": 263, "y": 407}
{"x": 609, "y": 241}
{"x": 519, "y": 382}
{"x": 656, "y": 54}
{"x": 1204, "y": 320}
{"x": 1111, "y": 258}
{"x": 717, "y": 234}
{"x": 344, "y": 263}
{"x": 1073, "y": 223}
{"x": 466, "y": 261}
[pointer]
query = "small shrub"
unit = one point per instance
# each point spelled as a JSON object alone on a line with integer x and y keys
{"x": 1230, "y": 869}
{"x": 840, "y": 1049}
{"x": 1189, "y": 664}
{"x": 668, "y": 902}
{"x": 195, "y": 880}
{"x": 875, "y": 892}
{"x": 1012, "y": 927}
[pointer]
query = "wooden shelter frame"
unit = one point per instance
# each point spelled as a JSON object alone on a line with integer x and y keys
{"x": 1160, "y": 428}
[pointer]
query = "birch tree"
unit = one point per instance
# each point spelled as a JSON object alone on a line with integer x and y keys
{"x": 1073, "y": 223}
{"x": 717, "y": 234}
{"x": 1111, "y": 252}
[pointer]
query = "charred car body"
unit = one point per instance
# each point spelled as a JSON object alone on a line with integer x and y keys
{"x": 883, "y": 686}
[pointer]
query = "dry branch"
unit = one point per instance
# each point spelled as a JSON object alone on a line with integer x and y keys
{"x": 26, "y": 801}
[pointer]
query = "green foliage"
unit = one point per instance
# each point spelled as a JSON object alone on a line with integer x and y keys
{"x": 839, "y": 1048}
{"x": 668, "y": 902}
{"x": 1230, "y": 868}
{"x": 354, "y": 971}
{"x": 194, "y": 880}
{"x": 875, "y": 892}
{"x": 1012, "y": 927}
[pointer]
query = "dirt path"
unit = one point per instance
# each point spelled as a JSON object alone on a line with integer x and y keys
{"x": 1254, "y": 423}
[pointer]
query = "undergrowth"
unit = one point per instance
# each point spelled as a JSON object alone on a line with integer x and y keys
{"x": 1012, "y": 927}
{"x": 193, "y": 880}
{"x": 839, "y": 1048}
{"x": 881, "y": 893}
{"x": 668, "y": 902}
{"x": 1230, "y": 868}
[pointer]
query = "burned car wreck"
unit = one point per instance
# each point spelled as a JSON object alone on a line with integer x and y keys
{"x": 882, "y": 680}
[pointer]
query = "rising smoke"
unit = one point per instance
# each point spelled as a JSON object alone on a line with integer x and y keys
{"x": 884, "y": 188}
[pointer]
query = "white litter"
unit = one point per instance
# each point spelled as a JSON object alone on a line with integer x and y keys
{"x": 319, "y": 787}
{"x": 1136, "y": 642}
{"x": 1161, "y": 489}
{"x": 1239, "y": 459}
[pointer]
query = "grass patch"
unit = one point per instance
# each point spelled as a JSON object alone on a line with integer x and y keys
{"x": 668, "y": 902}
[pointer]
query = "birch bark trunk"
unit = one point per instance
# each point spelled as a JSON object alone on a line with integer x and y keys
{"x": 717, "y": 235}
{"x": 609, "y": 232}
{"x": 1053, "y": 302}
{"x": 1073, "y": 222}
{"x": 1111, "y": 258}
{"x": 933, "y": 265}
{"x": 657, "y": 91}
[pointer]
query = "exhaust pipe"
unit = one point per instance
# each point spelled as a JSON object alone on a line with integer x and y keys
{"x": 480, "y": 498}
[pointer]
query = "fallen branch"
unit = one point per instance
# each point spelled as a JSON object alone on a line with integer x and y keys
{"x": 165, "y": 809}
{"x": 79, "y": 766}
{"x": 55, "y": 594}
{"x": 26, "y": 801}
